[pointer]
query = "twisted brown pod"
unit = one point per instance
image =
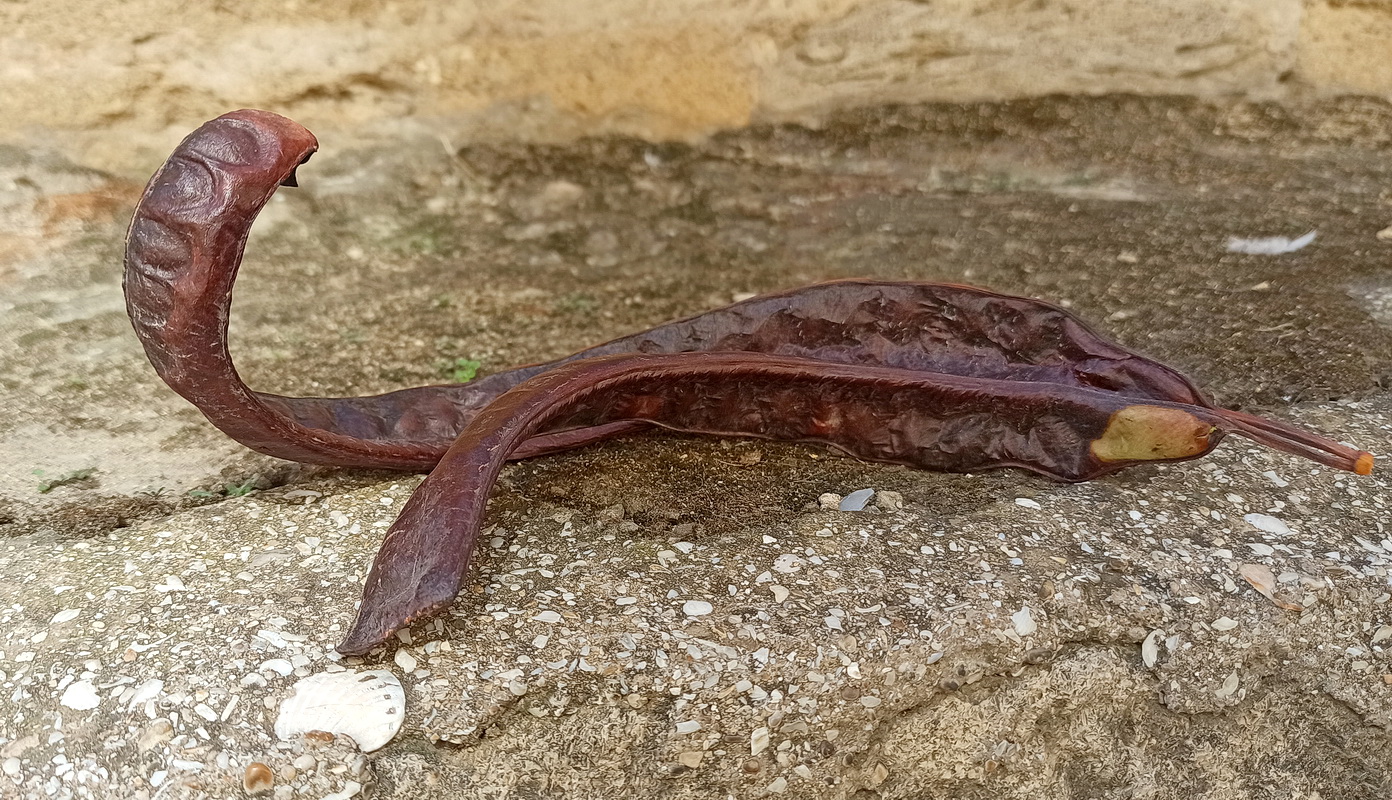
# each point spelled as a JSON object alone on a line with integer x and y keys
{"x": 934, "y": 375}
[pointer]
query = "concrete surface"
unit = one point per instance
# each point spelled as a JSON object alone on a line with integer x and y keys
{"x": 996, "y": 636}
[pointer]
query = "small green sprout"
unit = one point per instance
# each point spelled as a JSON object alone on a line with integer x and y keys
{"x": 228, "y": 490}
{"x": 241, "y": 489}
{"x": 463, "y": 370}
{"x": 76, "y": 476}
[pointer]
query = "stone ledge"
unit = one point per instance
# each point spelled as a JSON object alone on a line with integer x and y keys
{"x": 558, "y": 69}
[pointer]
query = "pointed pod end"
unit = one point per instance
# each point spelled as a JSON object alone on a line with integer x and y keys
{"x": 1152, "y": 433}
{"x": 376, "y": 623}
{"x": 1364, "y": 464}
{"x": 361, "y": 639}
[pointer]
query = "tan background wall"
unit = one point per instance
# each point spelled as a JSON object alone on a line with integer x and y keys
{"x": 656, "y": 68}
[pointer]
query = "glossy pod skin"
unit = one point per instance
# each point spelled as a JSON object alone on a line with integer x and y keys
{"x": 939, "y": 376}
{"x": 190, "y": 228}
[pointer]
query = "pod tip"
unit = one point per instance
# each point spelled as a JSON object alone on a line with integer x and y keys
{"x": 1364, "y": 464}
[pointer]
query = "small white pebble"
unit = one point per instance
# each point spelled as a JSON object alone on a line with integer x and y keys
{"x": 405, "y": 660}
{"x": 758, "y": 741}
{"x": 172, "y": 583}
{"x": 66, "y": 615}
{"x": 697, "y": 608}
{"x": 625, "y": 601}
{"x": 889, "y": 501}
{"x": 689, "y": 726}
{"x": 80, "y": 696}
{"x": 279, "y": 666}
{"x": 1025, "y": 502}
{"x": 547, "y": 616}
{"x": 1224, "y": 624}
{"x": 788, "y": 563}
{"x": 1266, "y": 523}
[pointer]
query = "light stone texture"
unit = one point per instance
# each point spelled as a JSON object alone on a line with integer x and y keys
{"x": 556, "y": 69}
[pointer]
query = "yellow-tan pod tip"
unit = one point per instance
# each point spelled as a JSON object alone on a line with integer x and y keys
{"x": 1152, "y": 433}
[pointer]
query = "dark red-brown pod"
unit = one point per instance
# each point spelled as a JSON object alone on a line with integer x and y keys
{"x": 834, "y": 361}
{"x": 190, "y": 229}
{"x": 923, "y": 419}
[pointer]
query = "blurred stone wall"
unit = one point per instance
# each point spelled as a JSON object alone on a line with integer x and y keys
{"x": 75, "y": 71}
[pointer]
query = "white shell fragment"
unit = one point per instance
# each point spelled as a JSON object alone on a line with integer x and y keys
{"x": 1267, "y": 523}
{"x": 80, "y": 696}
{"x": 1024, "y": 622}
{"x": 366, "y": 706}
{"x": 1150, "y": 648}
{"x": 856, "y": 501}
{"x": 1229, "y": 687}
{"x": 758, "y": 741}
{"x": 1268, "y": 245}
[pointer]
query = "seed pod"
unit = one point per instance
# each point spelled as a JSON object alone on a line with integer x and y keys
{"x": 934, "y": 375}
{"x": 924, "y": 419}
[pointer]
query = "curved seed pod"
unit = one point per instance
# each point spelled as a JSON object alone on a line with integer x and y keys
{"x": 190, "y": 228}
{"x": 838, "y": 361}
{"x": 924, "y": 419}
